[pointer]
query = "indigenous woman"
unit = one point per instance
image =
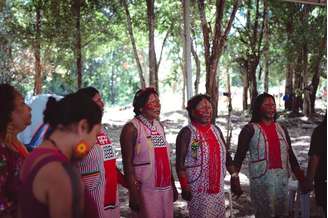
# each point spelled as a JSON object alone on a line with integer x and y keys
{"x": 271, "y": 155}
{"x": 51, "y": 185}
{"x": 98, "y": 168}
{"x": 201, "y": 161}
{"x": 146, "y": 159}
{"x": 15, "y": 116}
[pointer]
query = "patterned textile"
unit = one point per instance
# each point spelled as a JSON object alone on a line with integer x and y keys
{"x": 157, "y": 201}
{"x": 98, "y": 170}
{"x": 203, "y": 203}
{"x": 162, "y": 163}
{"x": 269, "y": 187}
{"x": 10, "y": 164}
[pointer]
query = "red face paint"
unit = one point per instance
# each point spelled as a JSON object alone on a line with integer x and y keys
{"x": 268, "y": 108}
{"x": 152, "y": 106}
{"x": 203, "y": 112}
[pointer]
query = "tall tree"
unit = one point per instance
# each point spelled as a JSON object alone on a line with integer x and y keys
{"x": 266, "y": 46}
{"x": 248, "y": 58}
{"x": 187, "y": 46}
{"x": 213, "y": 47}
{"x": 76, "y": 9}
{"x": 37, "y": 49}
{"x": 153, "y": 73}
{"x": 133, "y": 42}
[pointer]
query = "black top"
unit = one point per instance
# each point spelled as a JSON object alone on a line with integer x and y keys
{"x": 244, "y": 139}
{"x": 318, "y": 147}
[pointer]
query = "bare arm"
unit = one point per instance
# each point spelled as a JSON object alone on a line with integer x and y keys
{"x": 182, "y": 143}
{"x": 128, "y": 141}
{"x": 243, "y": 145}
{"x": 312, "y": 167}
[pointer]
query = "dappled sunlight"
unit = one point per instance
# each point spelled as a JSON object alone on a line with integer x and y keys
{"x": 300, "y": 131}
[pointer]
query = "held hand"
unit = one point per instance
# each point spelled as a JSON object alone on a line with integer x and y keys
{"x": 175, "y": 193}
{"x": 299, "y": 174}
{"x": 235, "y": 186}
{"x": 186, "y": 194}
{"x": 306, "y": 186}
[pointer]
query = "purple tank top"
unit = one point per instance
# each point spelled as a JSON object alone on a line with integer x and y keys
{"x": 29, "y": 205}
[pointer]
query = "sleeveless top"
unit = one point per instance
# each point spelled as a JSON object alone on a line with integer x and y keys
{"x": 196, "y": 161}
{"x": 144, "y": 160}
{"x": 98, "y": 171}
{"x": 258, "y": 149}
{"x": 29, "y": 205}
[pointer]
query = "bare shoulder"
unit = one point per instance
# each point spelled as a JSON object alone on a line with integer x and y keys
{"x": 184, "y": 132}
{"x": 129, "y": 128}
{"x": 52, "y": 179}
{"x": 53, "y": 175}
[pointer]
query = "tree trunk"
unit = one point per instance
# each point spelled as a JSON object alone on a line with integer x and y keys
{"x": 245, "y": 90}
{"x": 196, "y": 59}
{"x": 288, "y": 98}
{"x": 187, "y": 47}
{"x": 316, "y": 71}
{"x": 213, "y": 48}
{"x": 112, "y": 80}
{"x": 153, "y": 74}
{"x": 253, "y": 62}
{"x": 266, "y": 46}
{"x": 78, "y": 50}
{"x": 135, "y": 51}
{"x": 163, "y": 45}
{"x": 289, "y": 89}
{"x": 184, "y": 86}
{"x": 298, "y": 81}
{"x": 197, "y": 63}
{"x": 37, "y": 53}
{"x": 229, "y": 129}
{"x": 306, "y": 88}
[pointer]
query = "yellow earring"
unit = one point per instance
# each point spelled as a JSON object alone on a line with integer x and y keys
{"x": 81, "y": 149}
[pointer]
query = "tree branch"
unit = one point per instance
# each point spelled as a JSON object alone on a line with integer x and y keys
{"x": 163, "y": 44}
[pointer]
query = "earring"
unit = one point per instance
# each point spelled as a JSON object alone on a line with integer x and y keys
{"x": 81, "y": 149}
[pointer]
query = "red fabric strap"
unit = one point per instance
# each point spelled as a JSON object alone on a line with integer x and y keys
{"x": 110, "y": 169}
{"x": 274, "y": 145}
{"x": 121, "y": 179}
{"x": 111, "y": 182}
{"x": 163, "y": 171}
{"x": 214, "y": 162}
{"x": 183, "y": 182}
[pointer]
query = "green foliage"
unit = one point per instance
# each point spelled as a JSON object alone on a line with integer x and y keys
{"x": 108, "y": 60}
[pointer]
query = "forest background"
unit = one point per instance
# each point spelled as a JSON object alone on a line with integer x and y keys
{"x": 237, "y": 49}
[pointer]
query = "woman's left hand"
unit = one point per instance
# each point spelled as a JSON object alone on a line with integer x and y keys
{"x": 175, "y": 193}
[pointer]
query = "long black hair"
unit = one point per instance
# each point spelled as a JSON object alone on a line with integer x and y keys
{"x": 256, "y": 107}
{"x": 71, "y": 109}
{"x": 89, "y": 91}
{"x": 7, "y": 98}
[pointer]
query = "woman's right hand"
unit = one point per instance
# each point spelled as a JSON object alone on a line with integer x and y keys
{"x": 135, "y": 197}
{"x": 235, "y": 186}
{"x": 186, "y": 194}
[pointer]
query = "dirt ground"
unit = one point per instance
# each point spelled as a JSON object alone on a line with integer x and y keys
{"x": 300, "y": 130}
